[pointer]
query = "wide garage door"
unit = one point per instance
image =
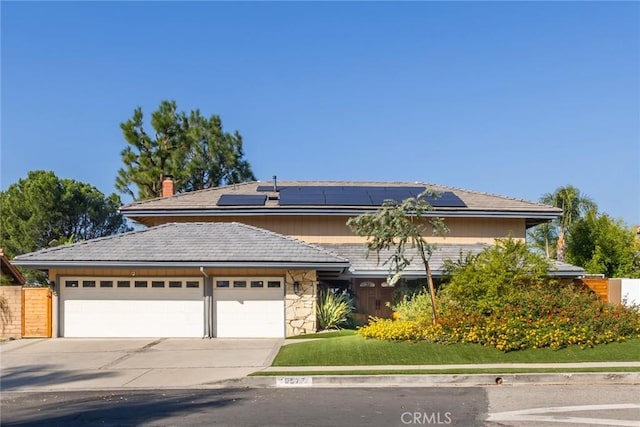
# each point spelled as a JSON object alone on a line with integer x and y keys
{"x": 248, "y": 307}
{"x": 131, "y": 307}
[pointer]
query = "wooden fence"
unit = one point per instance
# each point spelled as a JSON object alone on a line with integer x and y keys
{"x": 601, "y": 287}
{"x": 36, "y": 312}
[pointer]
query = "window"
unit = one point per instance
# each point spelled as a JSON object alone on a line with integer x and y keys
{"x": 249, "y": 283}
{"x": 139, "y": 282}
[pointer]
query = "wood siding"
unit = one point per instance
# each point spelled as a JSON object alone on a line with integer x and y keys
{"x": 333, "y": 229}
{"x": 36, "y": 312}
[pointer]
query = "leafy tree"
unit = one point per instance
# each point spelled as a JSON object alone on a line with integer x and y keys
{"x": 574, "y": 205}
{"x": 401, "y": 226}
{"x": 602, "y": 245}
{"x": 43, "y": 211}
{"x": 480, "y": 282}
{"x": 192, "y": 148}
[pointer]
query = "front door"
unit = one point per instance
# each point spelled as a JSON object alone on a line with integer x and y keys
{"x": 372, "y": 298}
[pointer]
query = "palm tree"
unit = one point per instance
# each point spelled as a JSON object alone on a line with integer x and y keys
{"x": 574, "y": 205}
{"x": 542, "y": 236}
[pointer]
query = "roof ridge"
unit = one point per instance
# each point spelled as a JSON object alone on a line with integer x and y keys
{"x": 285, "y": 237}
{"x": 353, "y": 181}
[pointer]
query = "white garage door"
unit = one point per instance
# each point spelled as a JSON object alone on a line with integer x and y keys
{"x": 131, "y": 307}
{"x": 249, "y": 307}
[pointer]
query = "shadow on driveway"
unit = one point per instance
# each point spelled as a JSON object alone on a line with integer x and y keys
{"x": 40, "y": 376}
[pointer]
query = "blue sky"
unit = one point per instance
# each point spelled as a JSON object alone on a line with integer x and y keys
{"x": 509, "y": 98}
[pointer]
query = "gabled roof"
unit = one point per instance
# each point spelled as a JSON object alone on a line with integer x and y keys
{"x": 209, "y": 244}
{"x": 10, "y": 271}
{"x": 204, "y": 203}
{"x": 370, "y": 265}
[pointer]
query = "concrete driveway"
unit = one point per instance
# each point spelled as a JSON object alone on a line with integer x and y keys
{"x": 99, "y": 364}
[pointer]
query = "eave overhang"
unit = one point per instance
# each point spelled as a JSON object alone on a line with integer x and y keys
{"x": 44, "y": 265}
{"x": 565, "y": 274}
{"x": 532, "y": 217}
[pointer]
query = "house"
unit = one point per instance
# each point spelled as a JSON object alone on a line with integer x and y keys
{"x": 246, "y": 260}
{"x": 10, "y": 274}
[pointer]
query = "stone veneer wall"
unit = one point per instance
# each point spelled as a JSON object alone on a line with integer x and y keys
{"x": 11, "y": 312}
{"x": 300, "y": 307}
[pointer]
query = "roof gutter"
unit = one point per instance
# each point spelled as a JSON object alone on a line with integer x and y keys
{"x": 548, "y": 215}
{"x": 569, "y": 274}
{"x": 185, "y": 264}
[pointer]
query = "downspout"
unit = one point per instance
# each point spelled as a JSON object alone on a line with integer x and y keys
{"x": 208, "y": 329}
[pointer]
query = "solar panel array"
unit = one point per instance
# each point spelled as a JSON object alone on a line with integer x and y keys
{"x": 309, "y": 195}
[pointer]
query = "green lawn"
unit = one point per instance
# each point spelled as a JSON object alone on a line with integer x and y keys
{"x": 349, "y": 349}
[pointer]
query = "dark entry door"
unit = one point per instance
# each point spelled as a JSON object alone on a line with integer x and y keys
{"x": 372, "y": 297}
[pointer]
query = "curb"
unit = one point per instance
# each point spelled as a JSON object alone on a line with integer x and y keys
{"x": 435, "y": 380}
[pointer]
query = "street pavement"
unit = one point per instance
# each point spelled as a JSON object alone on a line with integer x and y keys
{"x": 64, "y": 364}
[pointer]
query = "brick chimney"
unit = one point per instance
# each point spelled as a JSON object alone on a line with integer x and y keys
{"x": 167, "y": 186}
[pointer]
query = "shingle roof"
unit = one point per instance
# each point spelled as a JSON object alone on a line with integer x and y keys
{"x": 373, "y": 266}
{"x": 201, "y": 244}
{"x": 207, "y": 199}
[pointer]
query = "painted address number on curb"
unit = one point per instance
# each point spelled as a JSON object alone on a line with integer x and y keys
{"x": 294, "y": 381}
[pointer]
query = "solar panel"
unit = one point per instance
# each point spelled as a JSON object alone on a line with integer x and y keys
{"x": 345, "y": 199}
{"x": 289, "y": 198}
{"x": 449, "y": 200}
{"x": 304, "y": 189}
{"x": 265, "y": 188}
{"x": 242, "y": 200}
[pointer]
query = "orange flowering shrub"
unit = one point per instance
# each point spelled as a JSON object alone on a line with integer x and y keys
{"x": 542, "y": 316}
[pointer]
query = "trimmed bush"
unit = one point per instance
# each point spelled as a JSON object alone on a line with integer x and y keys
{"x": 413, "y": 307}
{"x": 393, "y": 330}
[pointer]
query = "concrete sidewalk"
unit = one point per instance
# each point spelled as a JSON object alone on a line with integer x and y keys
{"x": 294, "y": 369}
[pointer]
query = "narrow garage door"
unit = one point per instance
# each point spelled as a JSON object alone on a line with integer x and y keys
{"x": 249, "y": 307}
{"x": 131, "y": 307}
